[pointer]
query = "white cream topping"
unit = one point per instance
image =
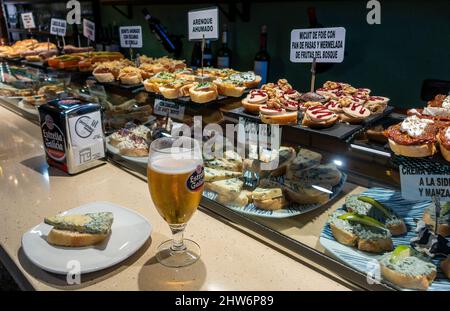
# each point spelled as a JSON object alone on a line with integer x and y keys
{"x": 446, "y": 103}
{"x": 414, "y": 126}
{"x": 436, "y": 112}
{"x": 447, "y": 133}
{"x": 131, "y": 144}
{"x": 141, "y": 131}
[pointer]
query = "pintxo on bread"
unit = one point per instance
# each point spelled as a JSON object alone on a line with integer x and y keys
{"x": 279, "y": 103}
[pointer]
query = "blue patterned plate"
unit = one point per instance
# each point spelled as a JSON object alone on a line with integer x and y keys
{"x": 366, "y": 262}
{"x": 293, "y": 209}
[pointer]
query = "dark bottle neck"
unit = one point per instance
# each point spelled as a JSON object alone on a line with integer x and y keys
{"x": 263, "y": 41}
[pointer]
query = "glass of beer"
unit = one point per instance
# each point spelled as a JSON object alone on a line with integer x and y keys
{"x": 175, "y": 178}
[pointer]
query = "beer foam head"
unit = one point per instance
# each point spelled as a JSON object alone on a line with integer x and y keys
{"x": 167, "y": 165}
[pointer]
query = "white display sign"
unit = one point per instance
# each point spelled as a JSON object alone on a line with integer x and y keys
{"x": 130, "y": 36}
{"x": 203, "y": 24}
{"x": 28, "y": 20}
{"x": 326, "y": 45}
{"x": 86, "y": 135}
{"x": 89, "y": 29}
{"x": 164, "y": 107}
{"x": 419, "y": 184}
{"x": 58, "y": 27}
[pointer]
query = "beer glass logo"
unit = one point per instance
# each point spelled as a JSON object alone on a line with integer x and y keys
{"x": 196, "y": 179}
{"x": 49, "y": 122}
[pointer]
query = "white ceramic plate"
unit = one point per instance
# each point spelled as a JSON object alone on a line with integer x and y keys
{"x": 128, "y": 233}
{"x": 365, "y": 262}
{"x": 293, "y": 209}
{"x": 114, "y": 150}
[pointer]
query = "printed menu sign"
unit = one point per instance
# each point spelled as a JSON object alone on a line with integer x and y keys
{"x": 203, "y": 23}
{"x": 89, "y": 29}
{"x": 28, "y": 20}
{"x": 420, "y": 184}
{"x": 164, "y": 107}
{"x": 326, "y": 45}
{"x": 86, "y": 135}
{"x": 58, "y": 27}
{"x": 131, "y": 36}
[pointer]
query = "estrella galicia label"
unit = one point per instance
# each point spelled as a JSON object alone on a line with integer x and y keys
{"x": 196, "y": 180}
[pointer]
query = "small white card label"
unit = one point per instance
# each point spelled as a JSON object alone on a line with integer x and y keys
{"x": 205, "y": 23}
{"x": 326, "y": 45}
{"x": 58, "y": 27}
{"x": 89, "y": 29}
{"x": 86, "y": 134}
{"x": 130, "y": 36}
{"x": 28, "y": 20}
{"x": 419, "y": 184}
{"x": 164, "y": 107}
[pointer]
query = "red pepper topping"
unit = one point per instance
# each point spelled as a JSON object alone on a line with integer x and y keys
{"x": 255, "y": 93}
{"x": 320, "y": 111}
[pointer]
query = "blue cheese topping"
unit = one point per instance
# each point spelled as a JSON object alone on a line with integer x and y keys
{"x": 362, "y": 231}
{"x": 95, "y": 223}
{"x": 415, "y": 265}
{"x": 364, "y": 208}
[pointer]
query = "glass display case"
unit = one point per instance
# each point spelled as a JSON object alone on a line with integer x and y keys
{"x": 333, "y": 196}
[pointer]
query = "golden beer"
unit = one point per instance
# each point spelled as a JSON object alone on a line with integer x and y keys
{"x": 176, "y": 187}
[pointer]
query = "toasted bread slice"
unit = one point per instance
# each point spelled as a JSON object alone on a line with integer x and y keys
{"x": 281, "y": 119}
{"x": 271, "y": 204}
{"x": 445, "y": 266}
{"x": 421, "y": 282}
{"x": 442, "y": 229}
{"x": 413, "y": 151}
{"x": 343, "y": 236}
{"x": 74, "y": 239}
{"x": 379, "y": 245}
{"x": 212, "y": 174}
{"x": 364, "y": 237}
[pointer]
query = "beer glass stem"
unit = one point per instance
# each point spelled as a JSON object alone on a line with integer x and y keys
{"x": 177, "y": 237}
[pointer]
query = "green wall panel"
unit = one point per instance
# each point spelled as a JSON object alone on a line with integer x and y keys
{"x": 411, "y": 44}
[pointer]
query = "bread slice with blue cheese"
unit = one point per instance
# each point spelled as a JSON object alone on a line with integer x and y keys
{"x": 229, "y": 188}
{"x": 240, "y": 201}
{"x": 270, "y": 198}
{"x": 224, "y": 164}
{"x": 305, "y": 159}
{"x": 324, "y": 174}
{"x": 87, "y": 223}
{"x": 212, "y": 174}
{"x": 79, "y": 230}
